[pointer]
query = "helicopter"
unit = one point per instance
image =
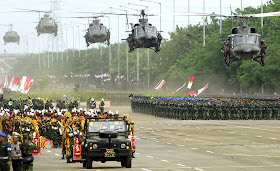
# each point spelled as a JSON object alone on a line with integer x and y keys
{"x": 11, "y": 36}
{"x": 97, "y": 33}
{"x": 47, "y": 25}
{"x": 144, "y": 35}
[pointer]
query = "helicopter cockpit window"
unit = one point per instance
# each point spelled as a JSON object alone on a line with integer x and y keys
{"x": 252, "y": 39}
{"x": 140, "y": 30}
{"x": 51, "y": 21}
{"x": 239, "y": 40}
{"x": 93, "y": 29}
{"x": 151, "y": 30}
{"x": 103, "y": 29}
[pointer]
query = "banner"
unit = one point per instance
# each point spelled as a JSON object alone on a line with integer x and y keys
{"x": 77, "y": 152}
{"x": 190, "y": 82}
{"x": 179, "y": 88}
{"x": 201, "y": 90}
{"x": 160, "y": 85}
{"x": 191, "y": 93}
{"x": 36, "y": 151}
{"x": 26, "y": 84}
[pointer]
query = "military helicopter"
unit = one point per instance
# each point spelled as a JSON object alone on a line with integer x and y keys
{"x": 97, "y": 33}
{"x": 47, "y": 25}
{"x": 11, "y": 36}
{"x": 144, "y": 35}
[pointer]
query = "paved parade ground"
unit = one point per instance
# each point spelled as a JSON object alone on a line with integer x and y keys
{"x": 167, "y": 144}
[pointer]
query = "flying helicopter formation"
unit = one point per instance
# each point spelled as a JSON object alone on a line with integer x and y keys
{"x": 243, "y": 43}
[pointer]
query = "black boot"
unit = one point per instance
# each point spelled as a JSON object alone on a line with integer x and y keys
{"x": 62, "y": 156}
{"x": 69, "y": 161}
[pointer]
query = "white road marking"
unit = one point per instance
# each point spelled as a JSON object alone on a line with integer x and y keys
{"x": 187, "y": 126}
{"x": 219, "y": 130}
{"x": 181, "y": 165}
{"x": 259, "y": 136}
{"x": 272, "y": 138}
{"x": 167, "y": 131}
{"x": 150, "y": 157}
{"x": 48, "y": 151}
{"x": 180, "y": 145}
{"x": 196, "y": 168}
{"x": 168, "y": 143}
{"x": 231, "y": 132}
{"x": 164, "y": 160}
{"x": 137, "y": 153}
{"x": 57, "y": 154}
{"x": 194, "y": 148}
{"x": 145, "y": 169}
{"x": 209, "y": 152}
{"x": 179, "y": 125}
{"x": 169, "y": 124}
{"x": 248, "y": 155}
{"x": 219, "y": 167}
{"x": 244, "y": 134}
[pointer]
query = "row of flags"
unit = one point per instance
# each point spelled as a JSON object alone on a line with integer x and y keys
{"x": 104, "y": 75}
{"x": 22, "y": 85}
{"x": 189, "y": 86}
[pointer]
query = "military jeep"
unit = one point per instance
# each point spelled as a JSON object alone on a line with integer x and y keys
{"x": 106, "y": 140}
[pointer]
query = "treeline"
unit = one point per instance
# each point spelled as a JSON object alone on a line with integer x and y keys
{"x": 181, "y": 56}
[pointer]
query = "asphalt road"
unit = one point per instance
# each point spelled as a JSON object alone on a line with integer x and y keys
{"x": 166, "y": 144}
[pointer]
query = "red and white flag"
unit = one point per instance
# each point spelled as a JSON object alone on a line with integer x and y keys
{"x": 201, "y": 90}
{"x": 179, "y": 88}
{"x": 160, "y": 85}
{"x": 190, "y": 82}
{"x": 26, "y": 84}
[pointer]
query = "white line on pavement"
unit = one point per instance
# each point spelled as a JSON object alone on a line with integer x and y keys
{"x": 231, "y": 132}
{"x": 209, "y": 152}
{"x": 150, "y": 157}
{"x": 194, "y": 148}
{"x": 181, "y": 165}
{"x": 145, "y": 169}
{"x": 259, "y": 136}
{"x": 168, "y": 143}
{"x": 180, "y": 145}
{"x": 137, "y": 153}
{"x": 248, "y": 155}
{"x": 164, "y": 160}
{"x": 57, "y": 154}
{"x": 48, "y": 151}
{"x": 196, "y": 168}
{"x": 272, "y": 138}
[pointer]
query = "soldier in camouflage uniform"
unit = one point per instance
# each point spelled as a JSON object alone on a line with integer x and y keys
{"x": 26, "y": 149}
{"x": 5, "y": 153}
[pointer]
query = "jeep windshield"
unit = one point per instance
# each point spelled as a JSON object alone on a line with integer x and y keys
{"x": 100, "y": 126}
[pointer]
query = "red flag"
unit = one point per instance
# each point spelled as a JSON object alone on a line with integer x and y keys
{"x": 190, "y": 93}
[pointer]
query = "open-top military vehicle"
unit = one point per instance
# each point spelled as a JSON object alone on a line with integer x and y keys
{"x": 106, "y": 140}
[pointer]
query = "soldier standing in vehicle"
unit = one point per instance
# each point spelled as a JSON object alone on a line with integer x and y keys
{"x": 101, "y": 106}
{"x": 5, "y": 153}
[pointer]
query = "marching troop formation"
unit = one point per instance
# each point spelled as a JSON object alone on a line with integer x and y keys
{"x": 60, "y": 127}
{"x": 207, "y": 108}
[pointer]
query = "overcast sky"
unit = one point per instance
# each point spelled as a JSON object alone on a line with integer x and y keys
{"x": 24, "y": 23}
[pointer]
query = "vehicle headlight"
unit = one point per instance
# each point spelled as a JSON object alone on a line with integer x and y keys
{"x": 123, "y": 145}
{"x": 94, "y": 146}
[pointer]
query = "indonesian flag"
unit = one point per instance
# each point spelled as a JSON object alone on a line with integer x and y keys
{"x": 191, "y": 93}
{"x": 14, "y": 85}
{"x": 160, "y": 85}
{"x": 190, "y": 82}
{"x": 26, "y": 83}
{"x": 1, "y": 88}
{"x": 201, "y": 90}
{"x": 107, "y": 79}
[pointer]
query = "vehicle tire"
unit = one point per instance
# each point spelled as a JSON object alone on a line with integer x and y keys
{"x": 128, "y": 162}
{"x": 85, "y": 163}
{"x": 89, "y": 163}
{"x": 123, "y": 162}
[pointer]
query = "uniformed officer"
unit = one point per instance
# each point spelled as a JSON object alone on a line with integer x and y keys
{"x": 5, "y": 153}
{"x": 102, "y": 105}
{"x": 16, "y": 152}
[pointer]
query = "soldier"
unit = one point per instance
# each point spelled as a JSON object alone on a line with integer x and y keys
{"x": 26, "y": 149}
{"x": 264, "y": 48}
{"x": 5, "y": 153}
{"x": 225, "y": 51}
{"x": 101, "y": 106}
{"x": 92, "y": 104}
{"x": 16, "y": 152}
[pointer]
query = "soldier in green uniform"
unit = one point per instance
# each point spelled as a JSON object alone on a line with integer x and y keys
{"x": 102, "y": 105}
{"x": 26, "y": 149}
{"x": 5, "y": 153}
